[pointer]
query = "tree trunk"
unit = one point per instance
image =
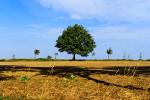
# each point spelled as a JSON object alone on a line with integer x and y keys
{"x": 34, "y": 56}
{"x": 108, "y": 56}
{"x": 74, "y": 57}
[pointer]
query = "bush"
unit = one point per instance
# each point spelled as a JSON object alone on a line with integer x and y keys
{"x": 70, "y": 76}
{"x": 2, "y": 60}
{"x": 5, "y": 98}
{"x": 24, "y": 79}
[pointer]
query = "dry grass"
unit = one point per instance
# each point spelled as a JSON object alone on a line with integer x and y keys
{"x": 95, "y": 86}
{"x": 77, "y": 63}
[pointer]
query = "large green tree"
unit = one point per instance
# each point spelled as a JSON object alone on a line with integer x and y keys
{"x": 76, "y": 40}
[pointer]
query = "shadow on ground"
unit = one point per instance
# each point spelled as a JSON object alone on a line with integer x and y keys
{"x": 82, "y": 72}
{"x": 4, "y": 77}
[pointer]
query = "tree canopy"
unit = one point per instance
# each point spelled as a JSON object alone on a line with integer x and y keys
{"x": 109, "y": 52}
{"x": 76, "y": 40}
{"x": 36, "y": 52}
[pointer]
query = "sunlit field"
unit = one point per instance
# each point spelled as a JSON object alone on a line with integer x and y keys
{"x": 98, "y": 64}
{"x": 75, "y": 80}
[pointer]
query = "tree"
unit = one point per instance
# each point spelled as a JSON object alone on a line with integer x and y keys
{"x": 76, "y": 40}
{"x": 109, "y": 52}
{"x": 56, "y": 54}
{"x": 36, "y": 52}
{"x": 49, "y": 57}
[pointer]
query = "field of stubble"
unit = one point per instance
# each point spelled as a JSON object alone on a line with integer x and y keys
{"x": 75, "y": 80}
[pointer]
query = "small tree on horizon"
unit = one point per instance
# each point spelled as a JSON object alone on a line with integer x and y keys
{"x": 76, "y": 40}
{"x": 36, "y": 52}
{"x": 109, "y": 52}
{"x": 49, "y": 57}
{"x": 56, "y": 54}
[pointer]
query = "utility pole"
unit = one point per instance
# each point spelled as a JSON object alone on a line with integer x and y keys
{"x": 128, "y": 57}
{"x": 140, "y": 56}
{"x": 13, "y": 56}
{"x": 56, "y": 54}
{"x": 93, "y": 54}
{"x": 124, "y": 56}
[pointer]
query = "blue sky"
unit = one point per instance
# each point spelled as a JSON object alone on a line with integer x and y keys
{"x": 123, "y": 25}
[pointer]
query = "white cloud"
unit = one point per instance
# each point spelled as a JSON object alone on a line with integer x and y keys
{"x": 122, "y": 33}
{"x": 111, "y": 10}
{"x": 50, "y": 33}
{"x": 42, "y": 31}
{"x": 35, "y": 26}
{"x": 133, "y": 10}
{"x": 54, "y": 32}
{"x": 76, "y": 17}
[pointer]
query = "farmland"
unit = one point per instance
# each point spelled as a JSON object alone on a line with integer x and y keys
{"x": 74, "y": 80}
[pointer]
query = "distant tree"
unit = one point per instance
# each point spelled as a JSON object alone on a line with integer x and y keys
{"x": 56, "y": 54}
{"x": 49, "y": 57}
{"x": 36, "y": 52}
{"x": 109, "y": 52}
{"x": 76, "y": 40}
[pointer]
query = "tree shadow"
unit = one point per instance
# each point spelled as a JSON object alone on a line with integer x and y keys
{"x": 85, "y": 72}
{"x": 11, "y": 68}
{"x": 121, "y": 70}
{"x": 111, "y": 70}
{"x": 4, "y": 77}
